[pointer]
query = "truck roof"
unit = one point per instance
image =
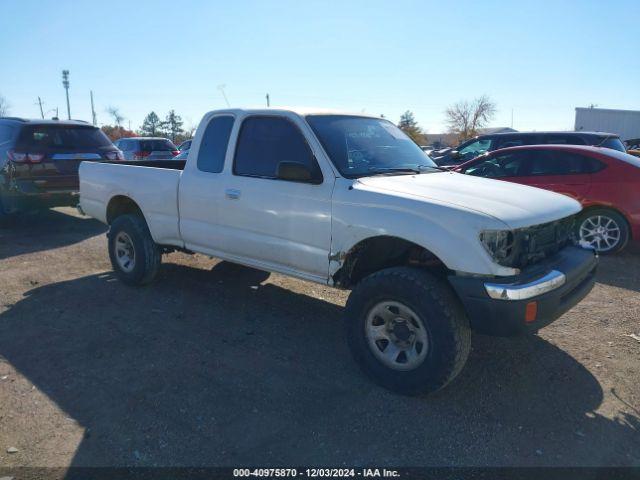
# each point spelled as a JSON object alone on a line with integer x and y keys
{"x": 302, "y": 111}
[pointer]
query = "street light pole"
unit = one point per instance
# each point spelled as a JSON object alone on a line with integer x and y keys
{"x": 65, "y": 84}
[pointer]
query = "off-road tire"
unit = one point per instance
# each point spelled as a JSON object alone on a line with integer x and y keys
{"x": 148, "y": 255}
{"x": 433, "y": 300}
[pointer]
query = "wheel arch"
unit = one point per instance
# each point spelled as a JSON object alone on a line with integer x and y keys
{"x": 122, "y": 205}
{"x": 376, "y": 253}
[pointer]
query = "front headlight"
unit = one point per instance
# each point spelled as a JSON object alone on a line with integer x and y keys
{"x": 499, "y": 244}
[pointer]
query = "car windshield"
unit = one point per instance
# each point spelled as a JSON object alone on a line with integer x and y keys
{"x": 614, "y": 143}
{"x": 62, "y": 136}
{"x": 361, "y": 146}
{"x": 474, "y": 148}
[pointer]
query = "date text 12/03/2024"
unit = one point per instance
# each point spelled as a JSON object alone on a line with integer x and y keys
{"x": 316, "y": 472}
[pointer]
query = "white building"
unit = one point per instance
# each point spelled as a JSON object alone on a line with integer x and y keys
{"x": 625, "y": 123}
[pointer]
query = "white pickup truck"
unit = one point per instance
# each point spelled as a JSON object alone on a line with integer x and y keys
{"x": 350, "y": 201}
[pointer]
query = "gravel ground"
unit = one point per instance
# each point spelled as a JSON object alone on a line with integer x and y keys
{"x": 220, "y": 365}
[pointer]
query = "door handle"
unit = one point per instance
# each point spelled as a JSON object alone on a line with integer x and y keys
{"x": 232, "y": 193}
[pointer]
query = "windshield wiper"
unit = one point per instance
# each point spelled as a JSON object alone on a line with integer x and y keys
{"x": 376, "y": 170}
{"x": 398, "y": 170}
{"x": 434, "y": 167}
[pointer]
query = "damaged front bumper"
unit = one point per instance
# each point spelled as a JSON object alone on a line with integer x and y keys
{"x": 531, "y": 300}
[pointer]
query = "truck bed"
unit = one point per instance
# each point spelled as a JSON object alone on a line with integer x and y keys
{"x": 152, "y": 185}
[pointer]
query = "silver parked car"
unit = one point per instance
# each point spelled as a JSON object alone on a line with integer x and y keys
{"x": 147, "y": 148}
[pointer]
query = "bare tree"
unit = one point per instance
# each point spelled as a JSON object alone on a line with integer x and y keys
{"x": 114, "y": 112}
{"x": 4, "y": 107}
{"x": 465, "y": 118}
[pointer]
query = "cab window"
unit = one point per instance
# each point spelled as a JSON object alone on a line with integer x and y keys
{"x": 213, "y": 147}
{"x": 265, "y": 141}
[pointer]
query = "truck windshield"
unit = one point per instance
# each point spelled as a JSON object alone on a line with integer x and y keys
{"x": 361, "y": 146}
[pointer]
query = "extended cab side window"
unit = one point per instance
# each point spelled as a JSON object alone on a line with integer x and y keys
{"x": 266, "y": 141}
{"x": 213, "y": 147}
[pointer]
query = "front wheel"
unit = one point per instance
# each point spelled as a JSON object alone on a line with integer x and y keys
{"x": 134, "y": 255}
{"x": 407, "y": 330}
{"x": 606, "y": 231}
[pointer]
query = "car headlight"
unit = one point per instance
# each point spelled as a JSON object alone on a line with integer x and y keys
{"x": 499, "y": 244}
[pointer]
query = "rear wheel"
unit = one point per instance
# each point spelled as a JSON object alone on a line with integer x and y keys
{"x": 605, "y": 230}
{"x": 134, "y": 255}
{"x": 407, "y": 330}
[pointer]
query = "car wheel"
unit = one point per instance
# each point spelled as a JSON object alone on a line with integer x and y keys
{"x": 407, "y": 330}
{"x": 604, "y": 230}
{"x": 134, "y": 255}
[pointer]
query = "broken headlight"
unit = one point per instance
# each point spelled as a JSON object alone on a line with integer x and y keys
{"x": 499, "y": 244}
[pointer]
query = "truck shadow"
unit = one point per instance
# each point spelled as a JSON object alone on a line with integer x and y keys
{"x": 44, "y": 230}
{"x": 217, "y": 368}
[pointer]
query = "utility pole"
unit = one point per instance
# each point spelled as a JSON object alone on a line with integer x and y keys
{"x": 93, "y": 110}
{"x": 41, "y": 111}
{"x": 268, "y": 102}
{"x": 65, "y": 84}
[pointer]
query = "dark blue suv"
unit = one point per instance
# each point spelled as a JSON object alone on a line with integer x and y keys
{"x": 39, "y": 161}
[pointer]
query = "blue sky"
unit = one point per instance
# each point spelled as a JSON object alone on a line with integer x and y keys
{"x": 541, "y": 59}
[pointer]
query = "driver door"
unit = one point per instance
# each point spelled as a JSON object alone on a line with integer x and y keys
{"x": 278, "y": 224}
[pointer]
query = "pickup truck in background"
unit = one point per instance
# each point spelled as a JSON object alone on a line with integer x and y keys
{"x": 350, "y": 201}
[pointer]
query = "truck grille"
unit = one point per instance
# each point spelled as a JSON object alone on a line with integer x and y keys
{"x": 542, "y": 241}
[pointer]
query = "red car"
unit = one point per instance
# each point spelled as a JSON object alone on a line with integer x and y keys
{"x": 606, "y": 182}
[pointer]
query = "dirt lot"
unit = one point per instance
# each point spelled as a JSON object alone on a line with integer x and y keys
{"x": 221, "y": 365}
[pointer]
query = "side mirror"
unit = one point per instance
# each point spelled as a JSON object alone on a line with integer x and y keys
{"x": 294, "y": 172}
{"x": 455, "y": 154}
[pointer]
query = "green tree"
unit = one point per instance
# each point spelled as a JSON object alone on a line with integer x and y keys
{"x": 172, "y": 125}
{"x": 151, "y": 125}
{"x": 409, "y": 125}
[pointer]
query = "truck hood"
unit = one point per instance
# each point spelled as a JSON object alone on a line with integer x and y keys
{"x": 516, "y": 205}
